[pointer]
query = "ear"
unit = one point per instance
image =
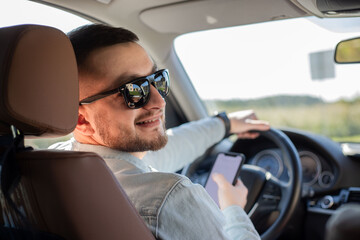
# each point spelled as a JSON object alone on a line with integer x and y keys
{"x": 83, "y": 126}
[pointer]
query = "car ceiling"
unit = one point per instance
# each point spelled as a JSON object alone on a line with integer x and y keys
{"x": 158, "y": 22}
{"x": 171, "y": 16}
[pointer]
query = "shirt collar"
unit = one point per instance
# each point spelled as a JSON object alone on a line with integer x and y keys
{"x": 112, "y": 156}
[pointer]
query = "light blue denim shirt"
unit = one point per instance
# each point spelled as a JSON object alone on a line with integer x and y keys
{"x": 171, "y": 205}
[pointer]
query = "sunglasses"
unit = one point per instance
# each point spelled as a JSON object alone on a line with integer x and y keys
{"x": 137, "y": 92}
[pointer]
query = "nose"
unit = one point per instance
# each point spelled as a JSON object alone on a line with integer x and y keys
{"x": 156, "y": 100}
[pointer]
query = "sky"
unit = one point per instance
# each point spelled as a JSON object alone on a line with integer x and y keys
{"x": 239, "y": 62}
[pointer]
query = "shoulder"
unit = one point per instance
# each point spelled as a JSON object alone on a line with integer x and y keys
{"x": 148, "y": 191}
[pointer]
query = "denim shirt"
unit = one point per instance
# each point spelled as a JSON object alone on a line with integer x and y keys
{"x": 170, "y": 204}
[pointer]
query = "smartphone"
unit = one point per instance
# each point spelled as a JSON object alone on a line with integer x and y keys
{"x": 229, "y": 165}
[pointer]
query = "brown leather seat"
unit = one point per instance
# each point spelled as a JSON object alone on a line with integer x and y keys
{"x": 71, "y": 194}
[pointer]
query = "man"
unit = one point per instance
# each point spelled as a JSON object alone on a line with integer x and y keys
{"x": 121, "y": 117}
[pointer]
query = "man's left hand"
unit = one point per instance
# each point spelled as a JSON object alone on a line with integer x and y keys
{"x": 243, "y": 122}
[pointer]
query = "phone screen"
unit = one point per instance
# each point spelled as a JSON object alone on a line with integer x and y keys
{"x": 228, "y": 165}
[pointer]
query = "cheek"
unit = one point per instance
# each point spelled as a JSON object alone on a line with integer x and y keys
{"x": 120, "y": 120}
{"x": 116, "y": 116}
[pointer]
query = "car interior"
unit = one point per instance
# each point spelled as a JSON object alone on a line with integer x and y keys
{"x": 298, "y": 178}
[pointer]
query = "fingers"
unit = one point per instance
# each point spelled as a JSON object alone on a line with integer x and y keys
{"x": 219, "y": 179}
{"x": 239, "y": 184}
{"x": 252, "y": 115}
{"x": 230, "y": 195}
{"x": 244, "y": 114}
{"x": 251, "y": 125}
{"x": 243, "y": 122}
{"x": 254, "y": 124}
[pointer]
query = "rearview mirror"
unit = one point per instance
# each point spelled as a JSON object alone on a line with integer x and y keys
{"x": 348, "y": 51}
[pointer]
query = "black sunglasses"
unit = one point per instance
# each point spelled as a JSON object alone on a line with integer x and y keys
{"x": 137, "y": 92}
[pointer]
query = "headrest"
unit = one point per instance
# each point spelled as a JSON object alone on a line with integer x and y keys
{"x": 38, "y": 81}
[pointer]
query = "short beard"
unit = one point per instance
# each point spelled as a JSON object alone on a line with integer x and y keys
{"x": 129, "y": 141}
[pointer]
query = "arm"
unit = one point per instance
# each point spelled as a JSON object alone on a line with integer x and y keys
{"x": 189, "y": 141}
{"x": 188, "y": 212}
{"x": 186, "y": 143}
{"x": 236, "y": 218}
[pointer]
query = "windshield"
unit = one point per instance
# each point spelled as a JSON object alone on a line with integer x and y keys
{"x": 284, "y": 70}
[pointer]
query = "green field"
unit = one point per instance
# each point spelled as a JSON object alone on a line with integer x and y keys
{"x": 338, "y": 120}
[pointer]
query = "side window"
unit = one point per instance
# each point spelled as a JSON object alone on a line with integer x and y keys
{"x": 15, "y": 12}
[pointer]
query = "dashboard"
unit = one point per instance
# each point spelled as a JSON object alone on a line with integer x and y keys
{"x": 326, "y": 170}
{"x": 324, "y": 166}
{"x": 318, "y": 173}
{"x": 330, "y": 177}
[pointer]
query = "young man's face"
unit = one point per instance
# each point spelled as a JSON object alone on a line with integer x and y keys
{"x": 111, "y": 122}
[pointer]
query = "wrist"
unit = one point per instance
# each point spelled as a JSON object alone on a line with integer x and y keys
{"x": 226, "y": 121}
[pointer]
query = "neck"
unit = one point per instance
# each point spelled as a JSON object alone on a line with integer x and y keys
{"x": 86, "y": 140}
{"x": 139, "y": 155}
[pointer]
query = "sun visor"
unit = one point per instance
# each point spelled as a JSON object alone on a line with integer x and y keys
{"x": 192, "y": 16}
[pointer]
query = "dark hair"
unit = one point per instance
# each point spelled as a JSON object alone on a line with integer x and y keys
{"x": 88, "y": 38}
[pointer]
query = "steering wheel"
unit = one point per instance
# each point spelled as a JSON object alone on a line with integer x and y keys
{"x": 266, "y": 193}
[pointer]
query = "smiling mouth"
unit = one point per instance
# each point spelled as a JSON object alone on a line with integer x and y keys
{"x": 148, "y": 121}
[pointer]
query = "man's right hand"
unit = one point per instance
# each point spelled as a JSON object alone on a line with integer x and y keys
{"x": 228, "y": 194}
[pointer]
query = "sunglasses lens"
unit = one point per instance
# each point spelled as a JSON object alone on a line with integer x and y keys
{"x": 137, "y": 93}
{"x": 161, "y": 82}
